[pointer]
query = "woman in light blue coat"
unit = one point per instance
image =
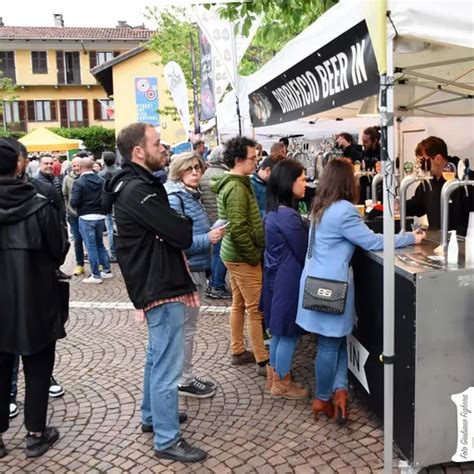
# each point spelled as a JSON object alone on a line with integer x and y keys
{"x": 339, "y": 228}
{"x": 185, "y": 174}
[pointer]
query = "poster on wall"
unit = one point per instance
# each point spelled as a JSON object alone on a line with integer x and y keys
{"x": 146, "y": 100}
{"x": 342, "y": 71}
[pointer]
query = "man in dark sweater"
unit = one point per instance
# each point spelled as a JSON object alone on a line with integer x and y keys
{"x": 86, "y": 198}
{"x": 427, "y": 198}
{"x": 46, "y": 176}
{"x": 150, "y": 241}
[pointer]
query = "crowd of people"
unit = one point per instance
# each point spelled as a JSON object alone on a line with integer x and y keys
{"x": 179, "y": 228}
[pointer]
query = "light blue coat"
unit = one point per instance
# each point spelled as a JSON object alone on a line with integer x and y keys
{"x": 339, "y": 231}
{"x": 183, "y": 202}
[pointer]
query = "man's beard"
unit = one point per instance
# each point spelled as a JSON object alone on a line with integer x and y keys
{"x": 153, "y": 164}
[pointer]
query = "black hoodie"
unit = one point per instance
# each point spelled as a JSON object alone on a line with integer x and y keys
{"x": 32, "y": 244}
{"x": 150, "y": 238}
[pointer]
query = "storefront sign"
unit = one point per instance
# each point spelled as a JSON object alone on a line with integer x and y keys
{"x": 357, "y": 356}
{"x": 146, "y": 100}
{"x": 208, "y": 107}
{"x": 343, "y": 71}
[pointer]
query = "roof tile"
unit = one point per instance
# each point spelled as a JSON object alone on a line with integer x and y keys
{"x": 73, "y": 33}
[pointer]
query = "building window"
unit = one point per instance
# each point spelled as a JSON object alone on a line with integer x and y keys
{"x": 39, "y": 61}
{"x": 11, "y": 111}
{"x": 7, "y": 64}
{"x": 74, "y": 111}
{"x": 72, "y": 68}
{"x": 104, "y": 56}
{"x": 103, "y": 109}
{"x": 43, "y": 110}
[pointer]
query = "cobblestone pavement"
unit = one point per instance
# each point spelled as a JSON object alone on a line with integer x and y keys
{"x": 244, "y": 430}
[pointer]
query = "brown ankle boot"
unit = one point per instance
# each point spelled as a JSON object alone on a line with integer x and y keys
{"x": 270, "y": 374}
{"x": 285, "y": 388}
{"x": 322, "y": 407}
{"x": 341, "y": 406}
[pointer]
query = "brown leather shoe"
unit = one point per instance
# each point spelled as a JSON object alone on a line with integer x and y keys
{"x": 341, "y": 406}
{"x": 285, "y": 388}
{"x": 323, "y": 407}
{"x": 270, "y": 373}
{"x": 246, "y": 357}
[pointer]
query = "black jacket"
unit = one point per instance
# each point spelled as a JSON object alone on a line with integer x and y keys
{"x": 86, "y": 195}
{"x": 46, "y": 180}
{"x": 33, "y": 244}
{"x": 428, "y": 201}
{"x": 151, "y": 236}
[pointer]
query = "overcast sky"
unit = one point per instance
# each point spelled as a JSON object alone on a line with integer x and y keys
{"x": 79, "y": 12}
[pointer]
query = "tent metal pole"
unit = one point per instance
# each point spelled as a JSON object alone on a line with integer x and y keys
{"x": 388, "y": 163}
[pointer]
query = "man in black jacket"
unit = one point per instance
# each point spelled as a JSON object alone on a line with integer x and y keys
{"x": 46, "y": 176}
{"x": 86, "y": 198}
{"x": 33, "y": 243}
{"x": 150, "y": 241}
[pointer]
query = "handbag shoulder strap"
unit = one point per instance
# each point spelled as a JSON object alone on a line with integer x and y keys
{"x": 312, "y": 237}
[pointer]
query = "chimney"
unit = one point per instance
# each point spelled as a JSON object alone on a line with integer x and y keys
{"x": 122, "y": 24}
{"x": 1, "y": 22}
{"x": 58, "y": 19}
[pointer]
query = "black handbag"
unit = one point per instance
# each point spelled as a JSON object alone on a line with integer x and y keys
{"x": 320, "y": 294}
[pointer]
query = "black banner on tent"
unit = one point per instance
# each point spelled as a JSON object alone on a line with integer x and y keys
{"x": 208, "y": 108}
{"x": 341, "y": 72}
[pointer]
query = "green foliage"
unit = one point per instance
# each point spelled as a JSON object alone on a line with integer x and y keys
{"x": 9, "y": 134}
{"x": 172, "y": 38}
{"x": 7, "y": 88}
{"x": 282, "y": 21}
{"x": 96, "y": 139}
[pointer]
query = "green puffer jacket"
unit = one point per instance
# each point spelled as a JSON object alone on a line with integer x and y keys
{"x": 244, "y": 240}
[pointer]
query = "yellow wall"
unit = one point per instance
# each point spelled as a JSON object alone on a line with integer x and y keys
{"x": 64, "y": 93}
{"x": 124, "y": 75}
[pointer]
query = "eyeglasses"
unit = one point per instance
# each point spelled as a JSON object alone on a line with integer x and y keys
{"x": 190, "y": 169}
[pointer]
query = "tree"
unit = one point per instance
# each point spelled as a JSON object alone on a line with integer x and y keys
{"x": 172, "y": 42}
{"x": 282, "y": 21}
{"x": 7, "y": 92}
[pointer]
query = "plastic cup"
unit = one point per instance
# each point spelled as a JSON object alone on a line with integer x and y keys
{"x": 361, "y": 209}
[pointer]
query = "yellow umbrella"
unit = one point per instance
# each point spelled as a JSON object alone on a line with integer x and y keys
{"x": 43, "y": 139}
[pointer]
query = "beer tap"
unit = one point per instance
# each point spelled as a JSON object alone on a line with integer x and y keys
{"x": 407, "y": 181}
{"x": 446, "y": 192}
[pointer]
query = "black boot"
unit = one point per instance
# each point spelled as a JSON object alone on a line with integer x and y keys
{"x": 181, "y": 451}
{"x": 3, "y": 450}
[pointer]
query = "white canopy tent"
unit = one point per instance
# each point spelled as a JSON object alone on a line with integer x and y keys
{"x": 430, "y": 63}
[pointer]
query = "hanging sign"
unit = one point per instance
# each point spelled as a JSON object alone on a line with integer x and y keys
{"x": 208, "y": 107}
{"x": 343, "y": 71}
{"x": 357, "y": 356}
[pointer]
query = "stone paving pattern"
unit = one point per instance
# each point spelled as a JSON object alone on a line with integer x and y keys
{"x": 243, "y": 429}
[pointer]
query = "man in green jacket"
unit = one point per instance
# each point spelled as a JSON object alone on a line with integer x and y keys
{"x": 242, "y": 249}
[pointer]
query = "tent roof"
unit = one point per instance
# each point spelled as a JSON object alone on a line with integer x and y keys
{"x": 437, "y": 69}
{"x": 42, "y": 139}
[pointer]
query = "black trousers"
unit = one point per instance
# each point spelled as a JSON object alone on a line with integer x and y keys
{"x": 38, "y": 369}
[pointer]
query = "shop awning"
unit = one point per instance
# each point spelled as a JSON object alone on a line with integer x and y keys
{"x": 43, "y": 139}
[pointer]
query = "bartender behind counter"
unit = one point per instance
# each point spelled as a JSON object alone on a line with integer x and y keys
{"x": 427, "y": 200}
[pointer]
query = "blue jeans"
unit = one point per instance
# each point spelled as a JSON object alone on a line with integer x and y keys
{"x": 73, "y": 222}
{"x": 282, "y": 349}
{"x": 92, "y": 235}
{"x": 163, "y": 367}
{"x": 331, "y": 366}
{"x": 218, "y": 269}
{"x": 109, "y": 222}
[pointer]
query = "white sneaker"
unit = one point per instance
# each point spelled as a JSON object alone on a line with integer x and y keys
{"x": 92, "y": 279}
{"x": 106, "y": 276}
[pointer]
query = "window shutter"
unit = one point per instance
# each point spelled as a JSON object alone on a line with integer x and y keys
{"x": 54, "y": 115}
{"x": 30, "y": 109}
{"x": 92, "y": 59}
{"x": 63, "y": 113}
{"x": 97, "y": 110}
{"x": 85, "y": 112}
{"x": 60, "y": 66}
{"x": 22, "y": 114}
